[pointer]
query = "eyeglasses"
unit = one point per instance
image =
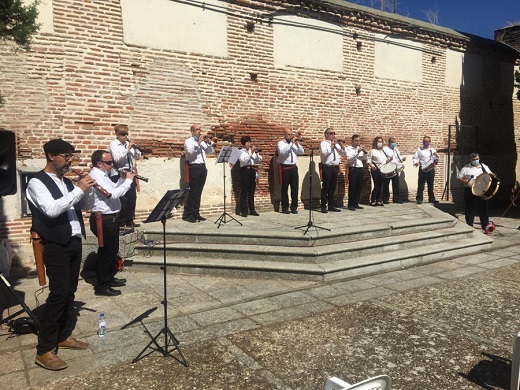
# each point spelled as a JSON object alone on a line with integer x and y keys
{"x": 67, "y": 156}
{"x": 107, "y": 162}
{"x": 332, "y": 133}
{"x": 196, "y": 128}
{"x": 123, "y": 134}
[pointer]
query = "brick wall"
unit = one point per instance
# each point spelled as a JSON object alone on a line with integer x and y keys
{"x": 81, "y": 79}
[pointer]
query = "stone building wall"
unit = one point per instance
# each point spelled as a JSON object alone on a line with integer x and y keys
{"x": 82, "y": 76}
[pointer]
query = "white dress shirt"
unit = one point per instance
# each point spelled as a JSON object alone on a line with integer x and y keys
{"x": 101, "y": 202}
{"x": 39, "y": 195}
{"x": 247, "y": 158}
{"x": 331, "y": 155}
{"x": 355, "y": 156}
{"x": 425, "y": 156}
{"x": 288, "y": 152}
{"x": 377, "y": 157}
{"x": 470, "y": 172}
{"x": 123, "y": 158}
{"x": 394, "y": 153}
{"x": 195, "y": 153}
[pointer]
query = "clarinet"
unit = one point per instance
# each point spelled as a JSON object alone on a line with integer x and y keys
{"x": 96, "y": 186}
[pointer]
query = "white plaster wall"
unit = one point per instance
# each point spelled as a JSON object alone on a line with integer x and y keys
{"x": 464, "y": 70}
{"x": 396, "y": 62}
{"x": 165, "y": 24}
{"x": 307, "y": 47}
{"x": 45, "y": 17}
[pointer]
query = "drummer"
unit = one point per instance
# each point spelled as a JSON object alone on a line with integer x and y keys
{"x": 467, "y": 176}
{"x": 375, "y": 160}
{"x": 391, "y": 150}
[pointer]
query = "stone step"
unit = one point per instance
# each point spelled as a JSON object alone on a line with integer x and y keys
{"x": 316, "y": 254}
{"x": 295, "y": 237}
{"x": 327, "y": 270}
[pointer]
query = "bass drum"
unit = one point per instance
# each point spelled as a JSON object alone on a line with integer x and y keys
{"x": 388, "y": 170}
{"x": 485, "y": 185}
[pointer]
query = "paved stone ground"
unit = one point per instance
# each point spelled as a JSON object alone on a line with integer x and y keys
{"x": 447, "y": 325}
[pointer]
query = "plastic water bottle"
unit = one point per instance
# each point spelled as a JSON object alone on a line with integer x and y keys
{"x": 102, "y": 328}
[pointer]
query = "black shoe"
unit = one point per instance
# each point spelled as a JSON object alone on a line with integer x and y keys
{"x": 243, "y": 215}
{"x": 386, "y": 202}
{"x": 117, "y": 283}
{"x": 358, "y": 207}
{"x": 352, "y": 208}
{"x": 324, "y": 210}
{"x": 419, "y": 202}
{"x": 136, "y": 225}
{"x": 398, "y": 201}
{"x": 199, "y": 218}
{"x": 286, "y": 212}
{"x": 107, "y": 292}
{"x": 119, "y": 280}
{"x": 254, "y": 213}
{"x": 190, "y": 219}
{"x": 335, "y": 210}
{"x": 294, "y": 211}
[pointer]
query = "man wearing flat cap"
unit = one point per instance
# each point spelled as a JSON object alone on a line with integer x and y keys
{"x": 56, "y": 217}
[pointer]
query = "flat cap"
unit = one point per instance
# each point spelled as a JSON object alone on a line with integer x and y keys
{"x": 57, "y": 146}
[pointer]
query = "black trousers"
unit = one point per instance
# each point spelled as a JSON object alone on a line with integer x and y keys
{"x": 247, "y": 190}
{"x": 290, "y": 178}
{"x": 475, "y": 204}
{"x": 62, "y": 264}
{"x": 198, "y": 174}
{"x": 329, "y": 175}
{"x": 378, "y": 184}
{"x": 128, "y": 203}
{"x": 428, "y": 178}
{"x": 355, "y": 184}
{"x": 106, "y": 261}
{"x": 395, "y": 188}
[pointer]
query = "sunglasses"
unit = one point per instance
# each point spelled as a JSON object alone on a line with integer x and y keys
{"x": 332, "y": 133}
{"x": 107, "y": 162}
{"x": 123, "y": 134}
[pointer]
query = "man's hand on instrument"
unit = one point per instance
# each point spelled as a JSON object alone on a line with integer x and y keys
{"x": 86, "y": 182}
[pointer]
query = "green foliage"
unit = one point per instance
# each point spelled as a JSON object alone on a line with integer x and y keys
{"x": 18, "y": 22}
{"x": 517, "y": 84}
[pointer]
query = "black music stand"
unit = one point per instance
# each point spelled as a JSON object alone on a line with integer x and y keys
{"x": 223, "y": 158}
{"x": 310, "y": 223}
{"x": 161, "y": 212}
{"x": 25, "y": 308}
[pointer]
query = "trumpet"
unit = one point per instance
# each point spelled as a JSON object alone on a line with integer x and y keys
{"x": 96, "y": 186}
{"x": 139, "y": 177}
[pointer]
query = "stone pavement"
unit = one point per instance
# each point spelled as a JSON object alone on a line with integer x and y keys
{"x": 446, "y": 325}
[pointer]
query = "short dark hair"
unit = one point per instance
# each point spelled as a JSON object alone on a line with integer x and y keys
{"x": 245, "y": 139}
{"x": 354, "y": 136}
{"x": 327, "y": 130}
{"x": 97, "y": 156}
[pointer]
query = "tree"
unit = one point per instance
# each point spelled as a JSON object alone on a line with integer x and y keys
{"x": 18, "y": 24}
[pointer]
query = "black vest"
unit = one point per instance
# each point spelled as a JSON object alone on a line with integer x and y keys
{"x": 56, "y": 229}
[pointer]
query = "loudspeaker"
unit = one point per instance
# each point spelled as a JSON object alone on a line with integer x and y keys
{"x": 7, "y": 162}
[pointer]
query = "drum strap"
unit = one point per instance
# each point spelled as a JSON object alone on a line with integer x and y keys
{"x": 483, "y": 169}
{"x": 399, "y": 157}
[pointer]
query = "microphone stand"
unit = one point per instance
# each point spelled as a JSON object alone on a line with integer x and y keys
{"x": 310, "y": 223}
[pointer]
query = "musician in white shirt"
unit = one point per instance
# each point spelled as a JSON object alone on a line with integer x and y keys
{"x": 474, "y": 203}
{"x": 376, "y": 158}
{"x": 426, "y": 158}
{"x": 356, "y": 156}
{"x": 330, "y": 154}
{"x": 289, "y": 149}
{"x": 391, "y": 150}
{"x": 249, "y": 157}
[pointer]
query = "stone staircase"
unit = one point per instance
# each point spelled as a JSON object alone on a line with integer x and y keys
{"x": 363, "y": 242}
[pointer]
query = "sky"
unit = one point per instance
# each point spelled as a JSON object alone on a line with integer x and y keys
{"x": 479, "y": 17}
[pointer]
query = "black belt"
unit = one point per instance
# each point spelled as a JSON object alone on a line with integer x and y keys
{"x": 355, "y": 167}
{"x": 288, "y": 165}
{"x": 329, "y": 166}
{"x": 196, "y": 164}
{"x": 249, "y": 167}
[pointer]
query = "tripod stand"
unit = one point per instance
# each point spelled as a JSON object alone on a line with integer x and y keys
{"x": 4, "y": 281}
{"x": 223, "y": 158}
{"x": 161, "y": 212}
{"x": 310, "y": 223}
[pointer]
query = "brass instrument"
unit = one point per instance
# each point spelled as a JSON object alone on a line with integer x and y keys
{"x": 96, "y": 186}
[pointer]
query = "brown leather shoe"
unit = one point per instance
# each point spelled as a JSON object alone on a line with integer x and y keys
{"x": 72, "y": 343}
{"x": 50, "y": 361}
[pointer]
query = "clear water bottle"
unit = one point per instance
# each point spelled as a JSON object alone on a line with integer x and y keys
{"x": 102, "y": 328}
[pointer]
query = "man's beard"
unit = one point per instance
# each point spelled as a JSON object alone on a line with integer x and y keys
{"x": 63, "y": 170}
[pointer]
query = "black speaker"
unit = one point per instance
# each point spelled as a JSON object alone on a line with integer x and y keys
{"x": 7, "y": 162}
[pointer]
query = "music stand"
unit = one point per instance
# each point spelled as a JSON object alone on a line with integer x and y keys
{"x": 25, "y": 308}
{"x": 310, "y": 223}
{"x": 161, "y": 212}
{"x": 223, "y": 157}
